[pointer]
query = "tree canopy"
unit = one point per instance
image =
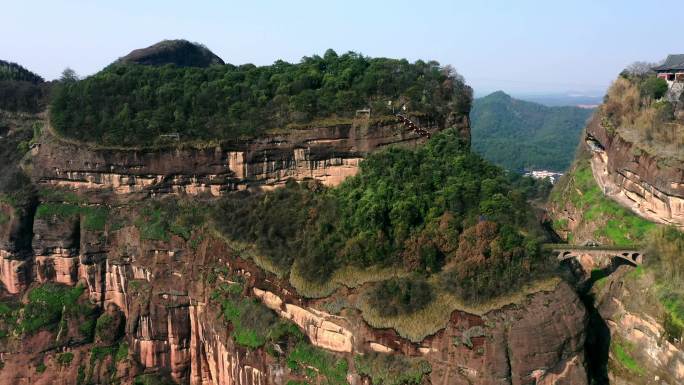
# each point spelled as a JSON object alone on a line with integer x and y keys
{"x": 14, "y": 71}
{"x": 423, "y": 209}
{"x": 133, "y": 104}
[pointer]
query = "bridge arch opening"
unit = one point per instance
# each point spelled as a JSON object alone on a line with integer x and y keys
{"x": 619, "y": 260}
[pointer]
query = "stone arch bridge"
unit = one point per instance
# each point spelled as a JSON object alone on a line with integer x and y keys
{"x": 564, "y": 252}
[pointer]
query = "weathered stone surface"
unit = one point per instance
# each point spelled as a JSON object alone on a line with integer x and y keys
{"x": 327, "y": 154}
{"x": 320, "y": 327}
{"x": 651, "y": 187}
{"x": 631, "y": 313}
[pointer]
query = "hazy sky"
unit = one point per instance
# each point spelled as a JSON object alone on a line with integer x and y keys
{"x": 515, "y": 45}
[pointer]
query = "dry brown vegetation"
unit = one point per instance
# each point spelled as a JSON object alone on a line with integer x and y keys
{"x": 637, "y": 116}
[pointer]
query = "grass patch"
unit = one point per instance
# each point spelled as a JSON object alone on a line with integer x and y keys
{"x": 624, "y": 358}
{"x": 49, "y": 305}
{"x": 253, "y": 324}
{"x": 158, "y": 220}
{"x": 4, "y": 218}
{"x": 392, "y": 369}
{"x": 65, "y": 359}
{"x": 152, "y": 379}
{"x": 349, "y": 276}
{"x": 616, "y": 224}
{"x": 674, "y": 315}
{"x": 94, "y": 217}
{"x": 99, "y": 353}
{"x": 121, "y": 352}
{"x": 51, "y": 210}
{"x": 314, "y": 362}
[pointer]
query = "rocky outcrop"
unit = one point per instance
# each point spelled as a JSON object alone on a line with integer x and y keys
{"x": 540, "y": 340}
{"x": 321, "y": 328}
{"x": 650, "y": 186}
{"x": 171, "y": 328}
{"x": 160, "y": 290}
{"x": 326, "y": 154}
{"x": 628, "y": 304}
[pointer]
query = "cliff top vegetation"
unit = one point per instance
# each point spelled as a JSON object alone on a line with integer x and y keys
{"x": 20, "y": 89}
{"x": 135, "y": 105}
{"x": 640, "y": 108}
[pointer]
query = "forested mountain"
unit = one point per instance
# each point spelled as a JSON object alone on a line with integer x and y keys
{"x": 21, "y": 89}
{"x": 522, "y": 135}
{"x": 133, "y": 104}
{"x": 14, "y": 71}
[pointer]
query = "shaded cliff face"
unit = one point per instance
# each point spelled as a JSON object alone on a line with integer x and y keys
{"x": 640, "y": 349}
{"x": 327, "y": 154}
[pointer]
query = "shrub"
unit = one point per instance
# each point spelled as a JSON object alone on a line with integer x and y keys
{"x": 665, "y": 250}
{"x": 251, "y": 322}
{"x": 152, "y": 379}
{"x": 158, "y": 220}
{"x": 121, "y": 352}
{"x": 333, "y": 369}
{"x": 399, "y": 296}
{"x": 392, "y": 369}
{"x": 48, "y": 304}
{"x": 654, "y": 87}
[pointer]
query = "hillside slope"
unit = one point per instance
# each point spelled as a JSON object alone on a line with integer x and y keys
{"x": 520, "y": 135}
{"x": 351, "y": 253}
{"x": 620, "y": 191}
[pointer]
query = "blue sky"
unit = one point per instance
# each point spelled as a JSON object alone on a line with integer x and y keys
{"x": 520, "y": 46}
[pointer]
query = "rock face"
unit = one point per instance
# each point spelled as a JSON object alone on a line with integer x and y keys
{"x": 328, "y": 154}
{"x": 651, "y": 187}
{"x": 171, "y": 328}
{"x": 625, "y": 301}
{"x": 160, "y": 292}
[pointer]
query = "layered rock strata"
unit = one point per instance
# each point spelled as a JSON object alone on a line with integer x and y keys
{"x": 327, "y": 154}
{"x": 650, "y": 186}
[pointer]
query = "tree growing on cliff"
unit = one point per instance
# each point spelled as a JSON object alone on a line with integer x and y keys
{"x": 228, "y": 102}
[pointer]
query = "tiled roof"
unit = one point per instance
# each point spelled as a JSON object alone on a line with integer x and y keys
{"x": 673, "y": 62}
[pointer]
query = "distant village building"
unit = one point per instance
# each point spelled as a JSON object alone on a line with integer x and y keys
{"x": 672, "y": 70}
{"x": 552, "y": 176}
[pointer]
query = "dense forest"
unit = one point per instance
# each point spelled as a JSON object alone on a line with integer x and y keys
{"x": 520, "y": 135}
{"x": 435, "y": 209}
{"x": 13, "y": 71}
{"x": 133, "y": 104}
{"x": 20, "y": 89}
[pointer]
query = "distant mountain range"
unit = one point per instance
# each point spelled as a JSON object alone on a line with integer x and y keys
{"x": 521, "y": 135}
{"x": 577, "y": 99}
